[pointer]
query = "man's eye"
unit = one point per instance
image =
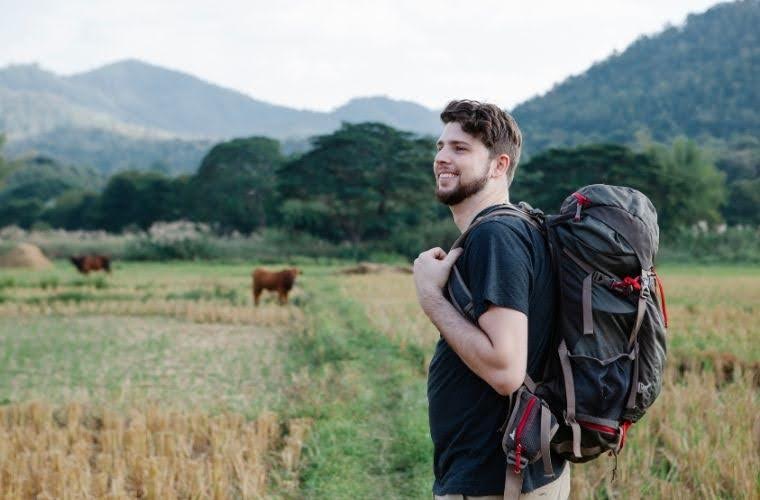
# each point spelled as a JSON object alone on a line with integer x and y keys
{"x": 460, "y": 148}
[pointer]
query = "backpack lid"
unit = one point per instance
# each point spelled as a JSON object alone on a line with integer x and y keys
{"x": 626, "y": 210}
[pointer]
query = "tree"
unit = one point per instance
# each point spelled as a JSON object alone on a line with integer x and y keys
{"x": 680, "y": 179}
{"x": 140, "y": 198}
{"x": 548, "y": 178}
{"x": 30, "y": 186}
{"x": 362, "y": 182}
{"x": 74, "y": 209}
{"x": 689, "y": 188}
{"x": 740, "y": 161}
{"x": 744, "y": 205}
{"x": 235, "y": 185}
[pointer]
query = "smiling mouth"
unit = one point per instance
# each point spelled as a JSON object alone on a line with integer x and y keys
{"x": 447, "y": 175}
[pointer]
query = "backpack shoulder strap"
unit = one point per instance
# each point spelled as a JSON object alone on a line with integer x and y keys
{"x": 522, "y": 210}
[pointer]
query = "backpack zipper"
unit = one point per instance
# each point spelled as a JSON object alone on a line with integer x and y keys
{"x": 598, "y": 427}
{"x": 519, "y": 431}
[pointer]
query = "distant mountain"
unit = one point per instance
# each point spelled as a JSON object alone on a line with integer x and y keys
{"x": 699, "y": 80}
{"x": 131, "y": 113}
{"x": 176, "y": 102}
{"x": 110, "y": 151}
{"x": 27, "y": 113}
{"x": 405, "y": 115}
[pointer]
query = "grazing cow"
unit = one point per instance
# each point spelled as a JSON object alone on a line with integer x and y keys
{"x": 281, "y": 282}
{"x": 87, "y": 263}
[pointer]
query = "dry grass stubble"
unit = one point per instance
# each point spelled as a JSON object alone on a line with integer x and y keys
{"x": 700, "y": 439}
{"x": 78, "y": 451}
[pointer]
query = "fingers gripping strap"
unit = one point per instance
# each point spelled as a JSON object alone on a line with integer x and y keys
{"x": 567, "y": 375}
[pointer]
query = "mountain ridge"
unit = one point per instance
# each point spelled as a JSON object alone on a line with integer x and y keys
{"x": 696, "y": 79}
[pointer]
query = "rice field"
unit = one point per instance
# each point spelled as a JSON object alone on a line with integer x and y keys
{"x": 163, "y": 381}
{"x": 701, "y": 439}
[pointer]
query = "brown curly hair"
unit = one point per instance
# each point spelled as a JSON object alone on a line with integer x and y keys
{"x": 496, "y": 128}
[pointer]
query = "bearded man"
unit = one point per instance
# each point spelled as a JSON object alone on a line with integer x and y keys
{"x": 505, "y": 264}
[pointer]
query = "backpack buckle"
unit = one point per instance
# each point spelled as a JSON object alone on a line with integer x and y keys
{"x": 517, "y": 459}
{"x": 629, "y": 284}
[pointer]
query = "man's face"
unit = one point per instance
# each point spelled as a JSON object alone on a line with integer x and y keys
{"x": 461, "y": 166}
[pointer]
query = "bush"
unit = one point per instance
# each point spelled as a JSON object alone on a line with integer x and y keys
{"x": 726, "y": 245}
{"x": 411, "y": 241}
{"x": 59, "y": 243}
{"x": 179, "y": 240}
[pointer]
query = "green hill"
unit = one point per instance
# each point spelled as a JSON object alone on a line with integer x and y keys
{"x": 699, "y": 80}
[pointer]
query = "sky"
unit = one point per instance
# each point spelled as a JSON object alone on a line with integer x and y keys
{"x": 319, "y": 54}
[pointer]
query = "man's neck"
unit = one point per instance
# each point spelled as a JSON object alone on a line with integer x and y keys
{"x": 465, "y": 211}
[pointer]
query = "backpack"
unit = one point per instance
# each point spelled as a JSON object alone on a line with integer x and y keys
{"x": 606, "y": 364}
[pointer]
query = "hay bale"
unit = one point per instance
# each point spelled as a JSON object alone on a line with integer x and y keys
{"x": 25, "y": 255}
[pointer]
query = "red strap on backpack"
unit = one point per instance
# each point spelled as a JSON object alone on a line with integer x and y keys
{"x": 662, "y": 298}
{"x": 630, "y": 284}
{"x": 624, "y": 432}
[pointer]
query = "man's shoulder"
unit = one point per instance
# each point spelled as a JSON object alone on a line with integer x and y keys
{"x": 501, "y": 227}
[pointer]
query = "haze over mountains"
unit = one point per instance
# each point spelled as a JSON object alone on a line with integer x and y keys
{"x": 698, "y": 80}
{"x": 141, "y": 99}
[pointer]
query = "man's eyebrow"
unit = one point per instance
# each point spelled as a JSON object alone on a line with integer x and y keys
{"x": 454, "y": 142}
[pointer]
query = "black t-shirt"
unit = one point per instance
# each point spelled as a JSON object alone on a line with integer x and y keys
{"x": 505, "y": 263}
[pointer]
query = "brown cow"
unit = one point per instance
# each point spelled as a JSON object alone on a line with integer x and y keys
{"x": 87, "y": 263}
{"x": 281, "y": 282}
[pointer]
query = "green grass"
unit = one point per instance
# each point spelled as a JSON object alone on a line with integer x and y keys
{"x": 365, "y": 391}
{"x": 371, "y": 413}
{"x": 129, "y": 360}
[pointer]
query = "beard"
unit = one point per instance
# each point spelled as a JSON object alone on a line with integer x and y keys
{"x": 463, "y": 190}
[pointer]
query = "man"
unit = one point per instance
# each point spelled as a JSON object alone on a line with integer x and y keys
{"x": 506, "y": 266}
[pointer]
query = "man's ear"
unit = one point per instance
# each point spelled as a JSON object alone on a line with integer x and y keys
{"x": 503, "y": 164}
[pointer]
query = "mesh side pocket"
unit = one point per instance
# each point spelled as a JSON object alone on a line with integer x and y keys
{"x": 602, "y": 386}
{"x": 530, "y": 417}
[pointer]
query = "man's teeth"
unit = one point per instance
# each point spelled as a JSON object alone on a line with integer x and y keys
{"x": 447, "y": 175}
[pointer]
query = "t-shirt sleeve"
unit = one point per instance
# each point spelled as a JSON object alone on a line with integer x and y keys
{"x": 499, "y": 267}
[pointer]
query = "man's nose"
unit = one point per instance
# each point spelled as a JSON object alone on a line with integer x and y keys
{"x": 441, "y": 158}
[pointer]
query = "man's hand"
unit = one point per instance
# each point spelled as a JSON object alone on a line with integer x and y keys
{"x": 431, "y": 271}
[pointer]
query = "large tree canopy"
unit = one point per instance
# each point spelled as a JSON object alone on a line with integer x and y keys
{"x": 680, "y": 179}
{"x": 139, "y": 198}
{"x": 361, "y": 182}
{"x": 547, "y": 179}
{"x": 235, "y": 185}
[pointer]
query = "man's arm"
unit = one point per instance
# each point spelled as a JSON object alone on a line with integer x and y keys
{"x": 496, "y": 349}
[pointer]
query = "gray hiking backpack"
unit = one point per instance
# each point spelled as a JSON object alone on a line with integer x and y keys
{"x": 610, "y": 338}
